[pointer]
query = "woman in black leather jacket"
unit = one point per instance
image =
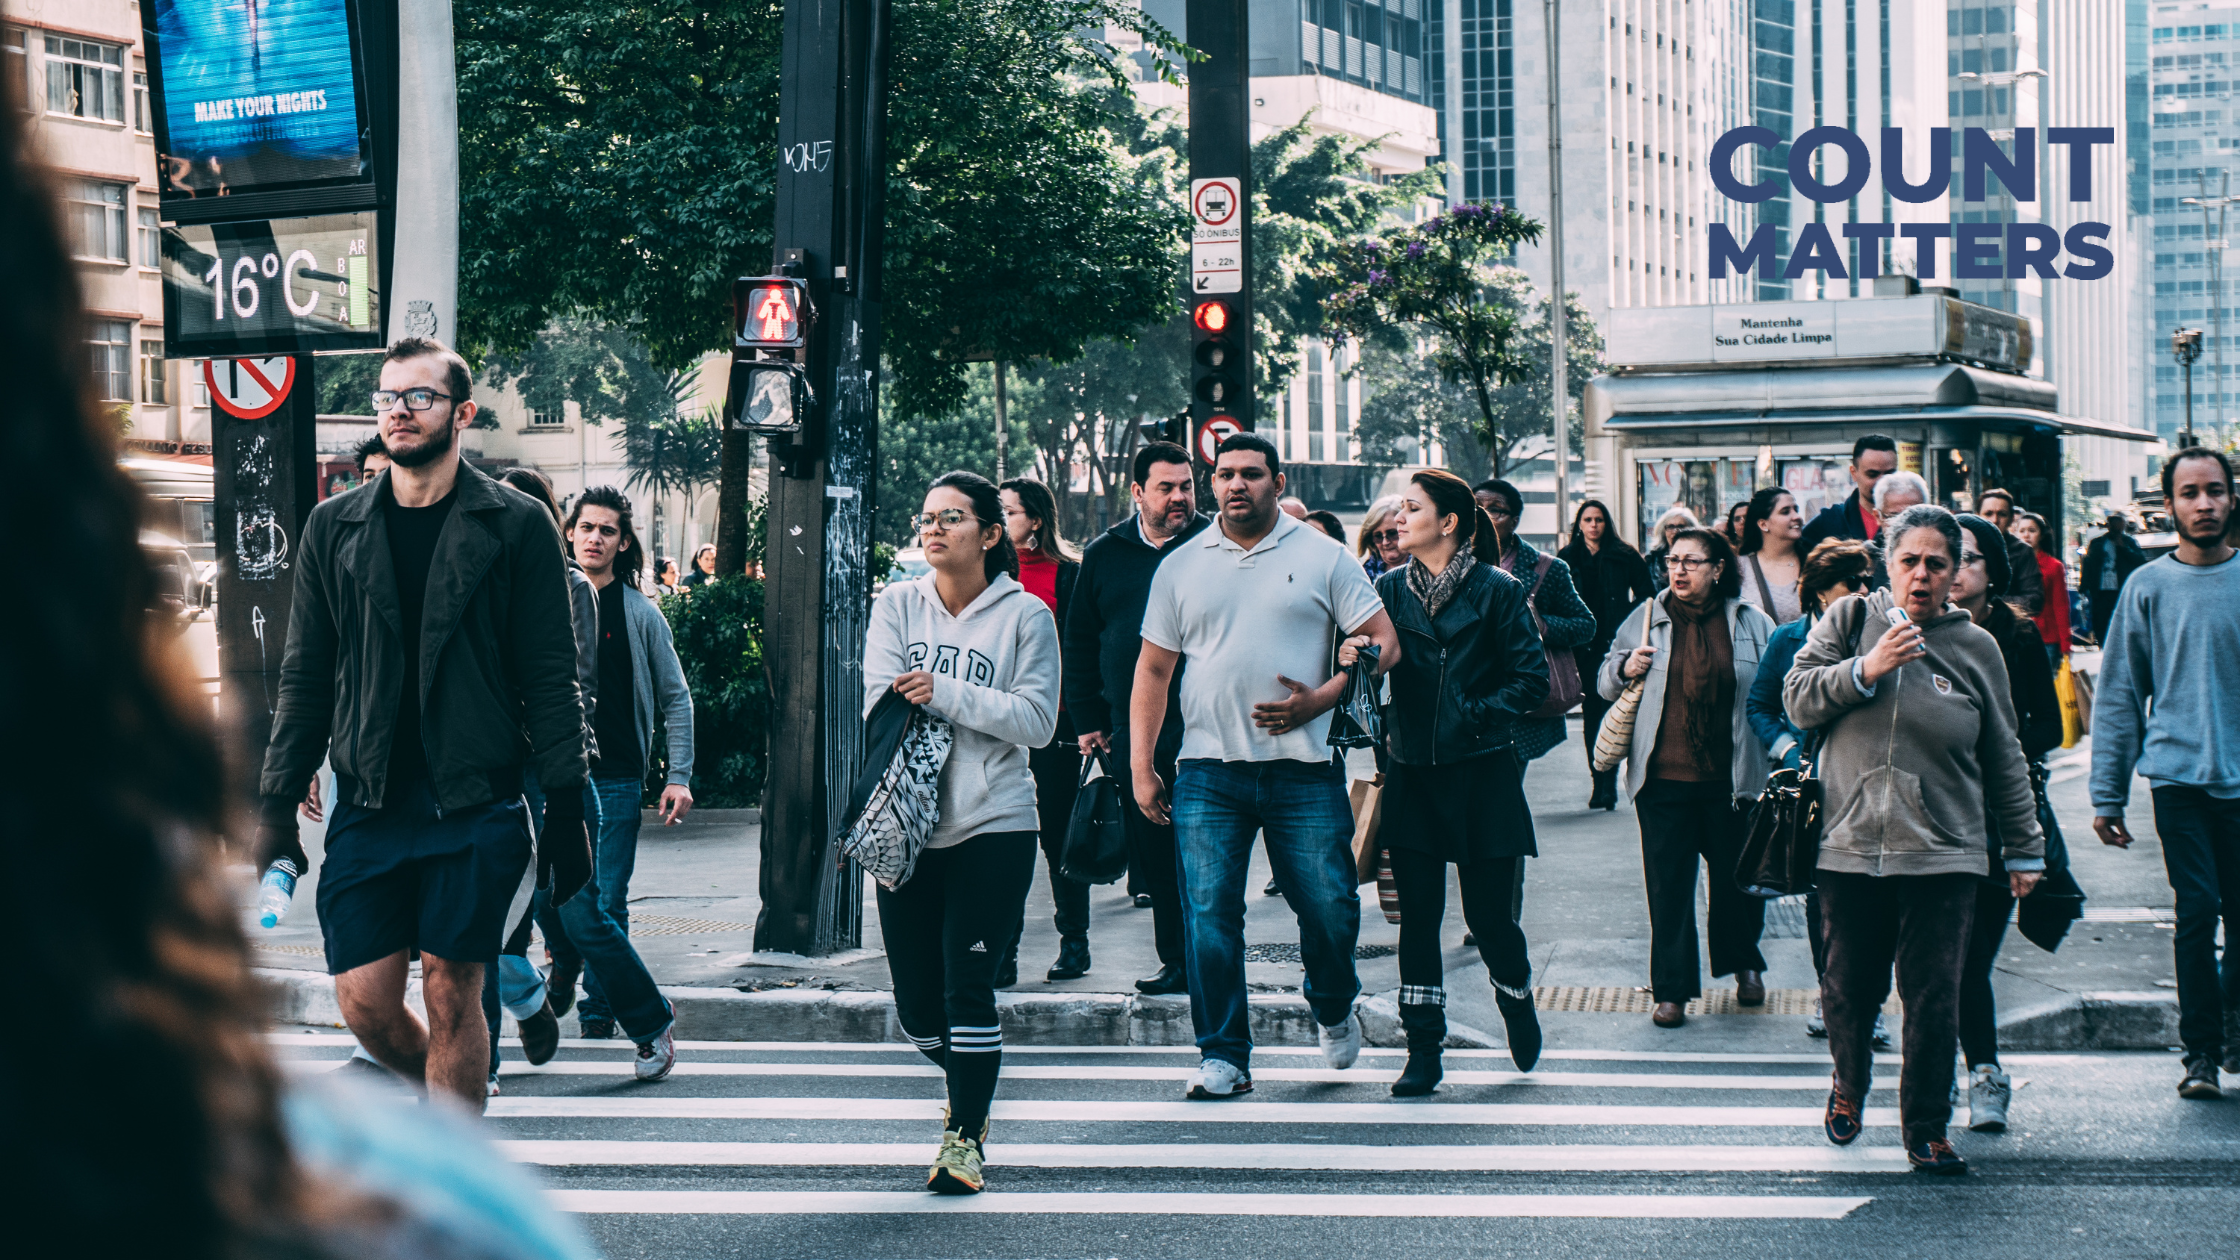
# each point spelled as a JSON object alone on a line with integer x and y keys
{"x": 1471, "y": 666}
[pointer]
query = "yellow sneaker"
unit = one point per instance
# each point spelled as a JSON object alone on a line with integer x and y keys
{"x": 959, "y": 1167}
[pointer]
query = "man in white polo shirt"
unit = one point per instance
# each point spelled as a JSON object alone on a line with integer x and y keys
{"x": 1254, "y": 604}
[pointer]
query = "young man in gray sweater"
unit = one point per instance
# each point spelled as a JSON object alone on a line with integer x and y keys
{"x": 2175, "y": 640}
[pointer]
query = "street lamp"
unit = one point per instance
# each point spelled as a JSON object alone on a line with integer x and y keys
{"x": 2185, "y": 346}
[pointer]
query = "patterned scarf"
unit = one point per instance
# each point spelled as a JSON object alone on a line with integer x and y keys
{"x": 1436, "y": 591}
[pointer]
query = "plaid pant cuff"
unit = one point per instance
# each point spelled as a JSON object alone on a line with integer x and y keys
{"x": 1422, "y": 995}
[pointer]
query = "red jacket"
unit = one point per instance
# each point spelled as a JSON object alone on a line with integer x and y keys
{"x": 2053, "y": 621}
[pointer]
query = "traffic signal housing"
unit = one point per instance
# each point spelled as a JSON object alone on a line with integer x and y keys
{"x": 1220, "y": 366}
{"x": 769, "y": 391}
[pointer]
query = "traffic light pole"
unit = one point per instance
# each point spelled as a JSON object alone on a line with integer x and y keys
{"x": 830, "y": 212}
{"x": 1221, "y": 213}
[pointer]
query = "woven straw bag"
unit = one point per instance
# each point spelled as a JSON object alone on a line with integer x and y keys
{"x": 1615, "y": 739}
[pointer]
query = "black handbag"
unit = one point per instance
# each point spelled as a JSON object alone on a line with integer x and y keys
{"x": 1096, "y": 848}
{"x": 1358, "y": 722}
{"x": 2044, "y": 916}
{"x": 1782, "y": 848}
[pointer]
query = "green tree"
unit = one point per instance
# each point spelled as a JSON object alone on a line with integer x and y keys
{"x": 914, "y": 449}
{"x": 345, "y": 383}
{"x": 601, "y": 367}
{"x": 1438, "y": 280}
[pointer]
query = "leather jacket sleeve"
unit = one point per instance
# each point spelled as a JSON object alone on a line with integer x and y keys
{"x": 1523, "y": 661}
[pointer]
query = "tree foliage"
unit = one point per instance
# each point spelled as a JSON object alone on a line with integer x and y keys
{"x": 718, "y": 631}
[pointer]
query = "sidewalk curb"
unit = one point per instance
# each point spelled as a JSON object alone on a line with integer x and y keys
{"x": 2107, "y": 1020}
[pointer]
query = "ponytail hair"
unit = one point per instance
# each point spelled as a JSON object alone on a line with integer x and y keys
{"x": 1451, "y": 496}
{"x": 987, "y": 506}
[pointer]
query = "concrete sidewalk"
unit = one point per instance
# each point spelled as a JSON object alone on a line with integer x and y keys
{"x": 693, "y": 906}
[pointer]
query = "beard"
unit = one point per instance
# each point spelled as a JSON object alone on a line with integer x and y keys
{"x": 436, "y": 447}
{"x": 2209, "y": 536}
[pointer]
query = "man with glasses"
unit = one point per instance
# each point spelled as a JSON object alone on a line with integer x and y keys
{"x": 1873, "y": 457}
{"x": 432, "y": 659}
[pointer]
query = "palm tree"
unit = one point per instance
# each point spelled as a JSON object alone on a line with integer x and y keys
{"x": 675, "y": 451}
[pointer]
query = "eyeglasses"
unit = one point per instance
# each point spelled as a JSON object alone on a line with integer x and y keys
{"x": 414, "y": 399}
{"x": 1687, "y": 564}
{"x": 1386, "y": 535}
{"x": 1500, "y": 513}
{"x": 946, "y": 518}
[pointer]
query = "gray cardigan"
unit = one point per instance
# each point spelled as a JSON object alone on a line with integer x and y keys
{"x": 656, "y": 674}
{"x": 1749, "y": 627}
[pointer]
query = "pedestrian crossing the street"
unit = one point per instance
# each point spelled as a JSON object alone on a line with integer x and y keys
{"x": 844, "y": 1131}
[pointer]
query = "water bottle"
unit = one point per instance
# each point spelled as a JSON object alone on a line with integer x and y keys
{"x": 278, "y": 889}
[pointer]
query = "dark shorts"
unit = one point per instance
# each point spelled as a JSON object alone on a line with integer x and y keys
{"x": 408, "y": 877}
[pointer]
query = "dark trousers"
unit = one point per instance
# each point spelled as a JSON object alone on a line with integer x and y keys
{"x": 2103, "y": 611}
{"x": 1979, "y": 1015}
{"x": 1057, "y": 780}
{"x": 1918, "y": 924}
{"x": 1487, "y": 890}
{"x": 1594, "y": 707}
{"x": 1682, "y": 825}
{"x": 946, "y": 929}
{"x": 1153, "y": 866}
{"x": 2201, "y": 849}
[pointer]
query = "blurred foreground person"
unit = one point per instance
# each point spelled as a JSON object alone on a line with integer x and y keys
{"x": 186, "y": 1143}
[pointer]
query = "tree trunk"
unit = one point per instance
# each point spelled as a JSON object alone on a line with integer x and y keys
{"x": 734, "y": 486}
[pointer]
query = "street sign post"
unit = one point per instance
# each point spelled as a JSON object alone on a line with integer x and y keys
{"x": 1219, "y": 287}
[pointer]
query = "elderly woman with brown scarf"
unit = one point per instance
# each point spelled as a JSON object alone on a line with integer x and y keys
{"x": 1694, "y": 759}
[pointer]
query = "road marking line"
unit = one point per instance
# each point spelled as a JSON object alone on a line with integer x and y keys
{"x": 830, "y": 1202}
{"x": 1237, "y": 1112}
{"x": 1117, "y": 1072}
{"x": 1274, "y": 1155}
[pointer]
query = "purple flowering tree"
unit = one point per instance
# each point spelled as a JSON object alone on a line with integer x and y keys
{"x": 1434, "y": 279}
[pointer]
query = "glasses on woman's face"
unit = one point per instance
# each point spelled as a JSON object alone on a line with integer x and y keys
{"x": 945, "y": 519}
{"x": 1686, "y": 564}
{"x": 1386, "y": 536}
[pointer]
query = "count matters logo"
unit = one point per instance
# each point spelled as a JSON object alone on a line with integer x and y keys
{"x": 1979, "y": 251}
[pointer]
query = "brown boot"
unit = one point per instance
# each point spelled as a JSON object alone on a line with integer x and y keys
{"x": 1750, "y": 988}
{"x": 1669, "y": 1015}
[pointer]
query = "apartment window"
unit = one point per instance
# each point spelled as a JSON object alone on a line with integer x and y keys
{"x": 112, "y": 359}
{"x": 151, "y": 238}
{"x": 546, "y": 419}
{"x": 143, "y": 112}
{"x": 155, "y": 372}
{"x": 96, "y": 213}
{"x": 1314, "y": 404}
{"x": 85, "y": 79}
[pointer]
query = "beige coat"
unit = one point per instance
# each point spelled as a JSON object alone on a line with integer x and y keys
{"x": 1750, "y": 629}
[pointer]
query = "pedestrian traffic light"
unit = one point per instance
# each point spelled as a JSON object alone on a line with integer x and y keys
{"x": 1218, "y": 378}
{"x": 770, "y": 313}
{"x": 769, "y": 391}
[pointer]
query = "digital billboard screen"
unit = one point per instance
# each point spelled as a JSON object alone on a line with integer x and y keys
{"x": 280, "y": 286}
{"x": 258, "y": 96}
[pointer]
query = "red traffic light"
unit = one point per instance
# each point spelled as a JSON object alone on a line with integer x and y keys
{"x": 770, "y": 313}
{"x": 1213, "y": 317}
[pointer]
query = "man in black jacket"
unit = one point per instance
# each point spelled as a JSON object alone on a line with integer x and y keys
{"x": 430, "y": 658}
{"x": 2108, "y": 562}
{"x": 2025, "y": 588}
{"x": 1871, "y": 457}
{"x": 1104, "y": 634}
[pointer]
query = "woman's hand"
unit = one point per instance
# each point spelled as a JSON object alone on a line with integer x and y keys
{"x": 1350, "y": 650}
{"x": 2022, "y": 882}
{"x": 1637, "y": 663}
{"x": 1899, "y": 645}
{"x": 915, "y": 686}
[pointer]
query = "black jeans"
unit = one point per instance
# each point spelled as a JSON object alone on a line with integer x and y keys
{"x": 2201, "y": 848}
{"x": 1057, "y": 780}
{"x": 2103, "y": 607}
{"x": 1683, "y": 824}
{"x": 1979, "y": 1015}
{"x": 946, "y": 929}
{"x": 1487, "y": 889}
{"x": 1919, "y": 924}
{"x": 1153, "y": 865}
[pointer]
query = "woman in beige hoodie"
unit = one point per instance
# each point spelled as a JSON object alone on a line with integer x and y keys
{"x": 1919, "y": 721}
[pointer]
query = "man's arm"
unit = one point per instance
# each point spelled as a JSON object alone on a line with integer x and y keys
{"x": 303, "y": 717}
{"x": 2119, "y": 714}
{"x": 675, "y": 699}
{"x": 1147, "y": 712}
{"x": 1304, "y": 704}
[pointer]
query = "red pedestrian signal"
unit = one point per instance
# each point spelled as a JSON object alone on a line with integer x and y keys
{"x": 1213, "y": 317}
{"x": 770, "y": 313}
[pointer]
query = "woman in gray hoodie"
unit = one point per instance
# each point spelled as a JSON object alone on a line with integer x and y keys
{"x": 971, "y": 645}
{"x": 1919, "y": 718}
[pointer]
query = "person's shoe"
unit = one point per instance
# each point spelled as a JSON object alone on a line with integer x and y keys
{"x": 1271, "y": 890}
{"x": 1421, "y": 1076}
{"x": 1605, "y": 791}
{"x": 1218, "y": 1078}
{"x": 1843, "y": 1121}
{"x": 540, "y": 1035}
{"x": 1469, "y": 940}
{"x": 1816, "y": 1026}
{"x": 1522, "y": 1023}
{"x": 960, "y": 1167}
{"x": 594, "y": 1028}
{"x": 658, "y": 1056}
{"x": 1171, "y": 978}
{"x": 1669, "y": 1015}
{"x": 1143, "y": 901}
{"x": 1073, "y": 959}
{"x": 1341, "y": 1043}
{"x": 2200, "y": 1079}
{"x": 1989, "y": 1091}
{"x": 1750, "y": 988}
{"x": 1881, "y": 1032}
{"x": 1936, "y": 1157}
{"x": 560, "y": 985}
{"x": 367, "y": 1072}
{"x": 493, "y": 1085}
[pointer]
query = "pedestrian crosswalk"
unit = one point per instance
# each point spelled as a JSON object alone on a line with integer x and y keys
{"x": 831, "y": 1132}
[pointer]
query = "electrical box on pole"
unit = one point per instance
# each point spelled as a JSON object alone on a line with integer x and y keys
{"x": 1220, "y": 284}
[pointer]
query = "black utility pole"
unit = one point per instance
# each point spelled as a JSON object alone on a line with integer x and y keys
{"x": 831, "y": 210}
{"x": 1220, "y": 283}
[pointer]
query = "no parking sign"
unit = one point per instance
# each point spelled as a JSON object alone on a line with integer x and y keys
{"x": 1213, "y": 433}
{"x": 250, "y": 388}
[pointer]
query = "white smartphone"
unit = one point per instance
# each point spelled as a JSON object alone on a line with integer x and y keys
{"x": 1897, "y": 615}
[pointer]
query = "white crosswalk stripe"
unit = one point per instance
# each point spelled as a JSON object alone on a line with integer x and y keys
{"x": 748, "y": 1121}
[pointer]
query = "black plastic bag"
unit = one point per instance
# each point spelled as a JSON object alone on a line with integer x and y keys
{"x": 1358, "y": 721}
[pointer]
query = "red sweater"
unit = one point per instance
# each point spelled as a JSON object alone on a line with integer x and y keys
{"x": 1038, "y": 572}
{"x": 2053, "y": 623}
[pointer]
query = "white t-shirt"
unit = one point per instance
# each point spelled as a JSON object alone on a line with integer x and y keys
{"x": 1239, "y": 618}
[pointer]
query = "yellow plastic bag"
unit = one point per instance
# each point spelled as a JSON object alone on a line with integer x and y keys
{"x": 2072, "y": 713}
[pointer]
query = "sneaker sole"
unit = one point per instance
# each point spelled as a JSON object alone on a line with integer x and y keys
{"x": 1989, "y": 1126}
{"x": 943, "y": 1182}
{"x": 1199, "y": 1093}
{"x": 662, "y": 1075}
{"x": 1943, "y": 1170}
{"x": 2203, "y": 1093}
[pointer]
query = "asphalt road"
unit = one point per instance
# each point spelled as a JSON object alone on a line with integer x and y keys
{"x": 820, "y": 1151}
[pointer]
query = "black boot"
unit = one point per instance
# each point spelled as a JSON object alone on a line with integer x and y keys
{"x": 1426, "y": 1026}
{"x": 1523, "y": 1025}
{"x": 1605, "y": 790}
{"x": 1073, "y": 959}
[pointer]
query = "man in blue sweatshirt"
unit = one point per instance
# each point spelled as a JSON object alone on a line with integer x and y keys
{"x": 2175, "y": 640}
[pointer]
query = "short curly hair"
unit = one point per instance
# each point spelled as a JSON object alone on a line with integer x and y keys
{"x": 1836, "y": 562}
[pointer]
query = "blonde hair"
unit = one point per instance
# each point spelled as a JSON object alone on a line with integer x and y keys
{"x": 1379, "y": 512}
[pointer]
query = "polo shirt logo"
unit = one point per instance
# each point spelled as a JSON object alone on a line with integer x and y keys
{"x": 1944, "y": 685}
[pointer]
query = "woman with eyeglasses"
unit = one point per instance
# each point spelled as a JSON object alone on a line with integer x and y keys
{"x": 1694, "y": 764}
{"x": 1379, "y": 542}
{"x": 972, "y": 646}
{"x": 1565, "y": 620}
{"x": 1613, "y": 580}
{"x": 1675, "y": 519}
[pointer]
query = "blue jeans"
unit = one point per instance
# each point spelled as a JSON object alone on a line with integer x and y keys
{"x": 611, "y": 807}
{"x": 613, "y": 974}
{"x": 1302, "y": 807}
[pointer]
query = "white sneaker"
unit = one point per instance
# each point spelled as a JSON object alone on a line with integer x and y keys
{"x": 1989, "y": 1092}
{"x": 657, "y": 1056}
{"x": 1341, "y": 1043}
{"x": 1881, "y": 1032}
{"x": 1219, "y": 1078}
{"x": 1816, "y": 1026}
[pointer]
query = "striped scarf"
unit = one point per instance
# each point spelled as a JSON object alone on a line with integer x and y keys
{"x": 1436, "y": 591}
